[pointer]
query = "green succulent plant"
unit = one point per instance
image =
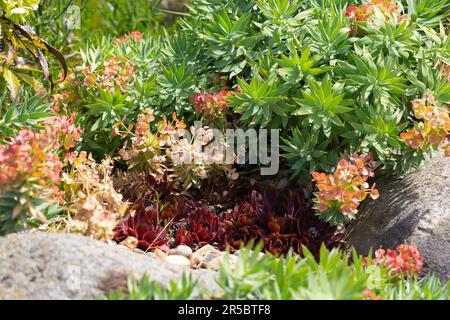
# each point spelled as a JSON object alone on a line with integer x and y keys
{"x": 334, "y": 277}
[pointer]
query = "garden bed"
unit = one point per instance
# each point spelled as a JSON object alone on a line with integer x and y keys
{"x": 250, "y": 138}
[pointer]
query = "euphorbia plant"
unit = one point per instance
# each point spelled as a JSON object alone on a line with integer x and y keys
{"x": 164, "y": 148}
{"x": 30, "y": 167}
{"x": 341, "y": 193}
{"x": 432, "y": 133}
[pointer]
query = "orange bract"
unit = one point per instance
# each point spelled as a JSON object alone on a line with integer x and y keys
{"x": 433, "y": 131}
{"x": 367, "y": 10}
{"x": 212, "y": 105}
{"x": 406, "y": 259}
{"x": 34, "y": 155}
{"x": 347, "y": 187}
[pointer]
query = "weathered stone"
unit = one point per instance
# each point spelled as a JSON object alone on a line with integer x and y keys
{"x": 181, "y": 250}
{"x": 178, "y": 261}
{"x": 160, "y": 254}
{"x": 414, "y": 210}
{"x": 198, "y": 256}
{"x": 130, "y": 242}
{"x": 60, "y": 266}
{"x": 208, "y": 257}
{"x": 214, "y": 260}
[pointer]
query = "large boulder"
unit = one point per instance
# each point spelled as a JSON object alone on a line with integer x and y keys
{"x": 415, "y": 210}
{"x": 60, "y": 266}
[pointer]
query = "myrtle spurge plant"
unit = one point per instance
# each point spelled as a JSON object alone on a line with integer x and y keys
{"x": 66, "y": 93}
{"x": 68, "y": 134}
{"x": 35, "y": 156}
{"x": 432, "y": 133}
{"x": 341, "y": 193}
{"x": 371, "y": 12}
{"x": 446, "y": 71}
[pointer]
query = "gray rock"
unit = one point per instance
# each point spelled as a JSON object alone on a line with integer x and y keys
{"x": 414, "y": 210}
{"x": 178, "y": 261}
{"x": 181, "y": 250}
{"x": 137, "y": 250}
{"x": 60, "y": 266}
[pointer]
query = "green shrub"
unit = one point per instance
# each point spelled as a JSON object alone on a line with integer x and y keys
{"x": 332, "y": 85}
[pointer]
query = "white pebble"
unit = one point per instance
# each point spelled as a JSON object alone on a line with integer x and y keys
{"x": 178, "y": 261}
{"x": 181, "y": 250}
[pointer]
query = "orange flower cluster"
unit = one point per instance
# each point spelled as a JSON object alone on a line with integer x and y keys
{"x": 370, "y": 295}
{"x": 347, "y": 187}
{"x": 433, "y": 132}
{"x": 406, "y": 259}
{"x": 212, "y": 105}
{"x": 135, "y": 36}
{"x": 116, "y": 72}
{"x": 367, "y": 10}
{"x": 30, "y": 156}
{"x": 33, "y": 157}
{"x": 68, "y": 134}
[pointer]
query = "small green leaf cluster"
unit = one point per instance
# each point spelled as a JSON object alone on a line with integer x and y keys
{"x": 15, "y": 208}
{"x": 28, "y": 113}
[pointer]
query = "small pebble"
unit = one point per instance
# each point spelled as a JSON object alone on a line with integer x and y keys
{"x": 130, "y": 242}
{"x": 178, "y": 261}
{"x": 181, "y": 250}
{"x": 159, "y": 254}
{"x": 198, "y": 256}
{"x": 213, "y": 261}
